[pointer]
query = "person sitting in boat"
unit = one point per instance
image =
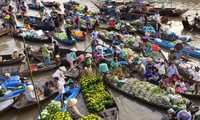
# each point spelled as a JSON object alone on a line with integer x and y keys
{"x": 72, "y": 56}
{"x": 149, "y": 73}
{"x": 161, "y": 67}
{"x": 186, "y": 23}
{"x": 99, "y": 53}
{"x": 60, "y": 74}
{"x": 137, "y": 43}
{"x": 29, "y": 93}
{"x": 46, "y": 54}
{"x": 96, "y": 24}
{"x": 169, "y": 32}
{"x": 157, "y": 15}
{"x": 155, "y": 77}
{"x": 2, "y": 26}
{"x": 73, "y": 110}
{"x": 54, "y": 13}
{"x": 116, "y": 50}
{"x": 27, "y": 25}
{"x": 141, "y": 68}
{"x": 88, "y": 64}
{"x": 172, "y": 55}
{"x": 115, "y": 66}
{"x": 196, "y": 74}
{"x": 184, "y": 115}
{"x": 179, "y": 45}
{"x": 179, "y": 82}
{"x": 47, "y": 89}
{"x": 61, "y": 90}
{"x": 15, "y": 54}
{"x": 163, "y": 83}
{"x": 112, "y": 24}
{"x": 172, "y": 71}
{"x": 146, "y": 38}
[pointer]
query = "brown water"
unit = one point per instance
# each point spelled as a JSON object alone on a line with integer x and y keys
{"x": 130, "y": 109}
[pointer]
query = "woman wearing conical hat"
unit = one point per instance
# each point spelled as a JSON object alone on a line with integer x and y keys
{"x": 73, "y": 110}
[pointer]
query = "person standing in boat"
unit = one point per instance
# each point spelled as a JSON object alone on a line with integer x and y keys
{"x": 72, "y": 56}
{"x": 56, "y": 49}
{"x": 158, "y": 29}
{"x": 56, "y": 23}
{"x": 172, "y": 71}
{"x": 61, "y": 90}
{"x": 157, "y": 16}
{"x": 46, "y": 54}
{"x": 112, "y": 24}
{"x": 87, "y": 20}
{"x": 69, "y": 33}
{"x": 73, "y": 110}
{"x": 95, "y": 38}
{"x": 117, "y": 14}
{"x": 60, "y": 74}
{"x": 78, "y": 22}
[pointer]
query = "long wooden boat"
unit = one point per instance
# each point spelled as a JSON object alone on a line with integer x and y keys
{"x": 67, "y": 5}
{"x": 23, "y": 104}
{"x": 72, "y": 93}
{"x": 16, "y": 90}
{"x": 7, "y": 59}
{"x": 36, "y": 68}
{"x": 33, "y": 6}
{"x": 4, "y": 31}
{"x": 51, "y": 4}
{"x": 138, "y": 97}
{"x": 34, "y": 39}
{"x": 169, "y": 11}
{"x": 166, "y": 44}
{"x": 65, "y": 40}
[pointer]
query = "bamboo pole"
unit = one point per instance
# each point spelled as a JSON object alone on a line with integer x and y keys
{"x": 31, "y": 75}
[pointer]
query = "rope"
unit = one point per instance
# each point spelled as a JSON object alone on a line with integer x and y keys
{"x": 31, "y": 75}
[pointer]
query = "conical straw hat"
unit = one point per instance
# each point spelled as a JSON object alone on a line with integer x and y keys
{"x": 63, "y": 68}
{"x": 72, "y": 102}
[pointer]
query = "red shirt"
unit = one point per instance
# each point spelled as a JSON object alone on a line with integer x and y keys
{"x": 112, "y": 24}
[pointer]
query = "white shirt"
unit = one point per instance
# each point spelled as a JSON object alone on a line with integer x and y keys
{"x": 172, "y": 70}
{"x": 157, "y": 16}
{"x": 142, "y": 69}
{"x": 136, "y": 43}
{"x": 196, "y": 76}
{"x": 30, "y": 96}
{"x": 168, "y": 32}
{"x": 60, "y": 75}
{"x": 161, "y": 68}
{"x": 60, "y": 86}
{"x": 117, "y": 9}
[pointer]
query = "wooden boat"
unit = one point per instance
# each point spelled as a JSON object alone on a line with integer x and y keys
{"x": 64, "y": 40}
{"x": 16, "y": 90}
{"x": 7, "y": 59}
{"x": 169, "y": 11}
{"x": 51, "y": 4}
{"x": 35, "y": 68}
{"x": 4, "y": 31}
{"x": 46, "y": 39}
{"x": 137, "y": 97}
{"x": 190, "y": 50}
{"x": 33, "y": 6}
{"x": 6, "y": 105}
{"x": 23, "y": 104}
{"x": 72, "y": 93}
{"x": 67, "y": 5}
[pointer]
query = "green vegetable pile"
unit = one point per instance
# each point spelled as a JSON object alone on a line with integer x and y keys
{"x": 52, "y": 108}
{"x": 126, "y": 52}
{"x": 83, "y": 22}
{"x": 60, "y": 116}
{"x": 154, "y": 94}
{"x": 95, "y": 94}
{"x": 61, "y": 36}
{"x": 104, "y": 26}
{"x": 91, "y": 117}
{"x": 129, "y": 41}
{"x": 118, "y": 25}
{"x": 151, "y": 54}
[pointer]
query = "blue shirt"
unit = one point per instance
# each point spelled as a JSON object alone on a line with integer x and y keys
{"x": 87, "y": 19}
{"x": 72, "y": 56}
{"x": 99, "y": 52}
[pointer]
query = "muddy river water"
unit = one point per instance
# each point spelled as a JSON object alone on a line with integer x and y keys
{"x": 130, "y": 109}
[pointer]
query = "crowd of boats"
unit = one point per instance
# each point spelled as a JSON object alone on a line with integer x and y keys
{"x": 131, "y": 64}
